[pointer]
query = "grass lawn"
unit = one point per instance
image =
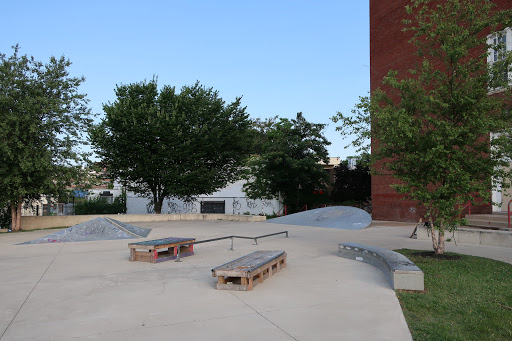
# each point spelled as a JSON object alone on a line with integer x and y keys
{"x": 465, "y": 298}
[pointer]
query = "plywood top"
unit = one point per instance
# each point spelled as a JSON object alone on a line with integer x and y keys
{"x": 250, "y": 262}
{"x": 164, "y": 241}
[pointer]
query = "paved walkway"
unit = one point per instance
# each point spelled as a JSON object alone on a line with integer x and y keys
{"x": 90, "y": 291}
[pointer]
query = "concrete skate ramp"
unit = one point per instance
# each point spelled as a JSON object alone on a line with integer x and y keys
{"x": 95, "y": 229}
{"x": 338, "y": 217}
{"x": 138, "y": 232}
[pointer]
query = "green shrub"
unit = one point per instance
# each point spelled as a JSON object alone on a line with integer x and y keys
{"x": 100, "y": 206}
{"x": 5, "y": 217}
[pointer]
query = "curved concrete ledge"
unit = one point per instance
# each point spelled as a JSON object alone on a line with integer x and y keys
{"x": 400, "y": 272}
{"x": 42, "y": 222}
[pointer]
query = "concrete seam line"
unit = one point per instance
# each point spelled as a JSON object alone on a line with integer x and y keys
{"x": 159, "y": 326}
{"x": 31, "y": 291}
{"x": 257, "y": 312}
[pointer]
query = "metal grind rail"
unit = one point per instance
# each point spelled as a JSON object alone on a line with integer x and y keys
{"x": 178, "y": 257}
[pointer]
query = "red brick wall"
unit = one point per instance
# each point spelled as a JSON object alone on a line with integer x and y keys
{"x": 390, "y": 50}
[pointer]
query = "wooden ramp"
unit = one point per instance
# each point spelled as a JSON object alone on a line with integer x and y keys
{"x": 241, "y": 273}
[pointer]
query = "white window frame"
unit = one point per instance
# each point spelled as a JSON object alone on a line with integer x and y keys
{"x": 492, "y": 40}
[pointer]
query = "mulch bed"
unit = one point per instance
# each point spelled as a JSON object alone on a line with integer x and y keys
{"x": 431, "y": 254}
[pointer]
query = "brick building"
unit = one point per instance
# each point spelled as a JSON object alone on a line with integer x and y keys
{"x": 390, "y": 50}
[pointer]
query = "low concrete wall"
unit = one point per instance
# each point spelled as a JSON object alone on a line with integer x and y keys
{"x": 41, "y": 222}
{"x": 474, "y": 236}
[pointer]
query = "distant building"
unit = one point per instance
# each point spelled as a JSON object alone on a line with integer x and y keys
{"x": 352, "y": 162}
{"x": 229, "y": 200}
{"x": 330, "y": 169}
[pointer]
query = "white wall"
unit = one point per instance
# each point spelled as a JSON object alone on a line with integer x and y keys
{"x": 506, "y": 196}
{"x": 235, "y": 199}
{"x": 503, "y": 196}
{"x": 95, "y": 192}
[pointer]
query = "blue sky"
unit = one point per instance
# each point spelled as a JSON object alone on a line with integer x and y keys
{"x": 282, "y": 56}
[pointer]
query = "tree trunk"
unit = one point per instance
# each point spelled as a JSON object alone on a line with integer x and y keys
{"x": 440, "y": 244}
{"x": 16, "y": 215}
{"x": 13, "y": 217}
{"x": 433, "y": 235}
{"x": 158, "y": 206}
{"x": 437, "y": 243}
{"x": 158, "y": 201}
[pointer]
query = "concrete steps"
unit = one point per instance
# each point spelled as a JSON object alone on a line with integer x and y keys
{"x": 485, "y": 229}
{"x": 474, "y": 235}
{"x": 496, "y": 221}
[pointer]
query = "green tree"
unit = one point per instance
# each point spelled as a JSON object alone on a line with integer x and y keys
{"x": 42, "y": 117}
{"x": 100, "y": 205}
{"x": 352, "y": 184}
{"x": 162, "y": 143}
{"x": 356, "y": 126}
{"x": 433, "y": 127}
{"x": 259, "y": 133}
{"x": 288, "y": 165}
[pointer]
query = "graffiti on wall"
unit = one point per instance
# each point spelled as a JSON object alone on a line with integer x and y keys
{"x": 268, "y": 204}
{"x": 186, "y": 207}
{"x": 236, "y": 205}
{"x": 251, "y": 204}
{"x": 174, "y": 208}
{"x": 190, "y": 207}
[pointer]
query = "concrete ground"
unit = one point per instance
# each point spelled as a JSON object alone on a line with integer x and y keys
{"x": 90, "y": 291}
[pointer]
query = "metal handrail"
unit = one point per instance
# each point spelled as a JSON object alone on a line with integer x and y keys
{"x": 178, "y": 257}
{"x": 508, "y": 213}
{"x": 284, "y": 209}
{"x": 462, "y": 210}
{"x": 468, "y": 205}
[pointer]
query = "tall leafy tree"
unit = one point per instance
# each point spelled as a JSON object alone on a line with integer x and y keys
{"x": 356, "y": 126}
{"x": 352, "y": 184}
{"x": 259, "y": 133}
{"x": 42, "y": 118}
{"x": 161, "y": 143}
{"x": 288, "y": 165}
{"x": 438, "y": 130}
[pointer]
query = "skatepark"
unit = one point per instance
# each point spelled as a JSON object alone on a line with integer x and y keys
{"x": 91, "y": 291}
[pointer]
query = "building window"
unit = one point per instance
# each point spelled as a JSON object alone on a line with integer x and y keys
{"x": 351, "y": 162}
{"x": 500, "y": 49}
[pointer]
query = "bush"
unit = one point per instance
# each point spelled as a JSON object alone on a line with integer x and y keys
{"x": 100, "y": 206}
{"x": 352, "y": 184}
{"x": 5, "y": 217}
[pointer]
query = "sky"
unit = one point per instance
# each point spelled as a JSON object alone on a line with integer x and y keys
{"x": 280, "y": 56}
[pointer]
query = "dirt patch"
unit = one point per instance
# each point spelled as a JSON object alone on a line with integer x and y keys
{"x": 412, "y": 291}
{"x": 431, "y": 254}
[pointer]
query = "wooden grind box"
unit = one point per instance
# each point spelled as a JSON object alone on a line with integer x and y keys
{"x": 160, "y": 250}
{"x": 243, "y": 273}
